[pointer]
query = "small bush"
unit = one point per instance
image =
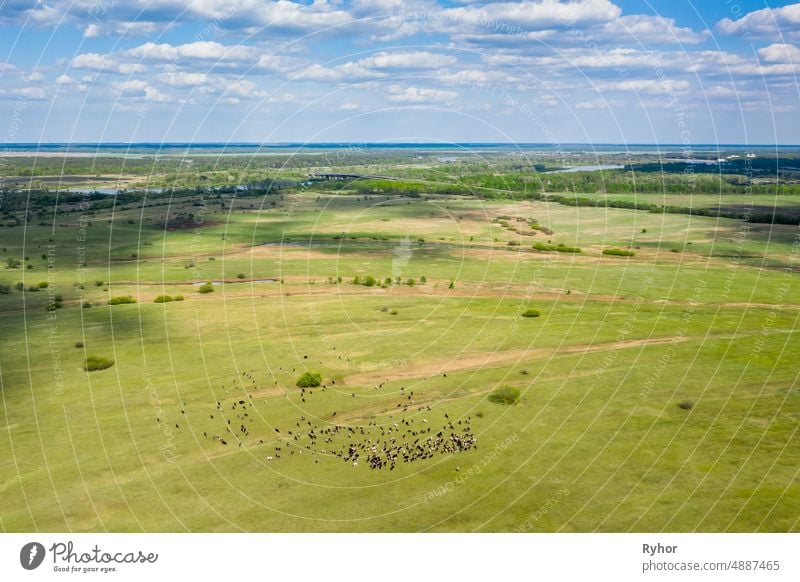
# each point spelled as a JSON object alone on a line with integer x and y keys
{"x": 531, "y": 313}
{"x": 78, "y": 344}
{"x": 94, "y": 363}
{"x": 686, "y": 405}
{"x": 5, "y": 289}
{"x": 122, "y": 299}
{"x": 560, "y": 248}
{"x": 44, "y": 285}
{"x": 178, "y": 298}
{"x": 206, "y": 288}
{"x": 86, "y": 305}
{"x": 369, "y": 281}
{"x": 309, "y": 380}
{"x": 240, "y": 276}
{"x": 163, "y": 299}
{"x": 19, "y": 286}
{"x": 423, "y": 280}
{"x": 479, "y": 414}
{"x": 98, "y": 283}
{"x": 356, "y": 280}
{"x": 393, "y": 312}
{"x": 505, "y": 395}
{"x": 411, "y": 282}
{"x": 452, "y": 285}
{"x": 618, "y": 252}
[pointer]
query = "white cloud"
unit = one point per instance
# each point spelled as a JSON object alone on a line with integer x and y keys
{"x": 200, "y": 50}
{"x": 105, "y": 63}
{"x": 138, "y": 88}
{"x": 649, "y": 86}
{"x": 399, "y": 94}
{"x": 406, "y": 60}
{"x": 517, "y": 17}
{"x": 773, "y": 23}
{"x": 349, "y": 106}
{"x": 649, "y": 30}
{"x": 33, "y": 93}
{"x": 380, "y": 64}
{"x": 183, "y": 79}
{"x": 780, "y": 53}
{"x": 64, "y": 80}
{"x": 477, "y": 77}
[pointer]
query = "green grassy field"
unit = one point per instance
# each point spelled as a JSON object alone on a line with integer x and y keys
{"x": 704, "y": 315}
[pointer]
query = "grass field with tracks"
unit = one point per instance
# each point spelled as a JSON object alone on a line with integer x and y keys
{"x": 659, "y": 392}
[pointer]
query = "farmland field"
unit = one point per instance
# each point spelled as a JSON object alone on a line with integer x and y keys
{"x": 658, "y": 387}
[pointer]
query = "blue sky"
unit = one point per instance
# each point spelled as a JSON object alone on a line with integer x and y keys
{"x": 553, "y": 71}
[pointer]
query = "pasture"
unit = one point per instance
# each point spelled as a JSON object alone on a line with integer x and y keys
{"x": 658, "y": 392}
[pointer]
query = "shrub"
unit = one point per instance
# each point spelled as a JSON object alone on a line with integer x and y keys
{"x": 78, "y": 344}
{"x": 618, "y": 252}
{"x": 94, "y": 363}
{"x": 561, "y": 248}
{"x": 356, "y": 280}
{"x": 686, "y": 405}
{"x": 206, "y": 288}
{"x": 44, "y": 285}
{"x": 479, "y": 414}
{"x": 452, "y": 285}
{"x": 505, "y": 395}
{"x": 178, "y": 298}
{"x": 12, "y": 263}
{"x": 370, "y": 281}
{"x": 240, "y": 276}
{"x": 309, "y": 380}
{"x": 122, "y": 299}
{"x": 5, "y": 289}
{"x": 19, "y": 286}
{"x": 387, "y": 281}
{"x": 163, "y": 299}
{"x": 86, "y": 305}
{"x": 423, "y": 280}
{"x": 393, "y": 312}
{"x": 98, "y": 283}
{"x": 531, "y": 313}
{"x": 411, "y": 282}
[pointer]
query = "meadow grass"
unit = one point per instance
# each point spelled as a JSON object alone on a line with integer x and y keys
{"x": 619, "y": 344}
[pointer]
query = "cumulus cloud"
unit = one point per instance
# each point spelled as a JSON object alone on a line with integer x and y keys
{"x": 104, "y": 63}
{"x": 648, "y": 86}
{"x": 780, "y": 53}
{"x": 378, "y": 65}
{"x": 650, "y": 30}
{"x": 399, "y": 94}
{"x": 770, "y": 23}
{"x": 530, "y": 15}
{"x": 201, "y": 50}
